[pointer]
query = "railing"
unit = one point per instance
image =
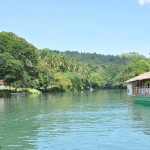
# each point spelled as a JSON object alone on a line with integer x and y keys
{"x": 141, "y": 91}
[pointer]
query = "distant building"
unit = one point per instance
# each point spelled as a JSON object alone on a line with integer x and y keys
{"x": 1, "y": 83}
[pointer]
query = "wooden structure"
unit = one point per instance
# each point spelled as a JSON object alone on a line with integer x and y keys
{"x": 139, "y": 87}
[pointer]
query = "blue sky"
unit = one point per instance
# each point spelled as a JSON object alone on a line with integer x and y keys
{"x": 101, "y": 26}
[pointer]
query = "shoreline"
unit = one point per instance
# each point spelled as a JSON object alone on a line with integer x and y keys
{"x": 8, "y": 92}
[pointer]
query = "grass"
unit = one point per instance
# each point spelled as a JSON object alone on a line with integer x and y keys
{"x": 26, "y": 90}
{"x": 31, "y": 91}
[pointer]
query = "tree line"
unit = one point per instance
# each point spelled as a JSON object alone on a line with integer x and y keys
{"x": 23, "y": 65}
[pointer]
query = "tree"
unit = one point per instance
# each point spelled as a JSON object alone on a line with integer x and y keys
{"x": 21, "y": 50}
{"x": 11, "y": 70}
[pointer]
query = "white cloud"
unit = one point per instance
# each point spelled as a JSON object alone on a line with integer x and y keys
{"x": 143, "y": 2}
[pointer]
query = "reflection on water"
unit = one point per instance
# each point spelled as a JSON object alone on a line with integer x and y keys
{"x": 1, "y": 105}
{"x": 105, "y": 119}
{"x": 141, "y": 114}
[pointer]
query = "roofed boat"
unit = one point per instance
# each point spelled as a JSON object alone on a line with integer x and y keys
{"x": 139, "y": 88}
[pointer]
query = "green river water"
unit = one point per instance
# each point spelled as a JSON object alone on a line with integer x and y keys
{"x": 98, "y": 120}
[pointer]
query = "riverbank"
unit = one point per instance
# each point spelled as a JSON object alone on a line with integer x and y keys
{"x": 6, "y": 91}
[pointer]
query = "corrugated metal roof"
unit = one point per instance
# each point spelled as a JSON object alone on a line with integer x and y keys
{"x": 143, "y": 76}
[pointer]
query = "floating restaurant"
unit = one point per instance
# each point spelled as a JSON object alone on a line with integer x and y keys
{"x": 139, "y": 88}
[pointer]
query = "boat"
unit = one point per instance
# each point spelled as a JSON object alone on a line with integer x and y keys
{"x": 139, "y": 88}
{"x": 18, "y": 93}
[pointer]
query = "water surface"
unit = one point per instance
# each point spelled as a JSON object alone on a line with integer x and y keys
{"x": 99, "y": 120}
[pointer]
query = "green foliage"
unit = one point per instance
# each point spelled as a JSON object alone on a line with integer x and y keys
{"x": 20, "y": 50}
{"x": 11, "y": 70}
{"x": 108, "y": 71}
{"x": 63, "y": 81}
{"x": 22, "y": 65}
{"x": 31, "y": 91}
{"x": 134, "y": 68}
{"x": 79, "y": 81}
{"x": 97, "y": 80}
{"x": 20, "y": 90}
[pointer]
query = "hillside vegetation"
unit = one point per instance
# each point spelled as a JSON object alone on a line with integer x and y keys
{"x": 23, "y": 65}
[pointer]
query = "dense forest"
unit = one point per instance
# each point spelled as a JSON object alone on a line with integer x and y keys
{"x": 23, "y": 65}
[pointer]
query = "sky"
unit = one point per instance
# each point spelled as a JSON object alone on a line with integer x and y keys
{"x": 102, "y": 26}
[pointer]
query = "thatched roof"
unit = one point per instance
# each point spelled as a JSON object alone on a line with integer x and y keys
{"x": 143, "y": 76}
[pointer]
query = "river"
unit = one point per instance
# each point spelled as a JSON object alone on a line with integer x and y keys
{"x": 97, "y": 120}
